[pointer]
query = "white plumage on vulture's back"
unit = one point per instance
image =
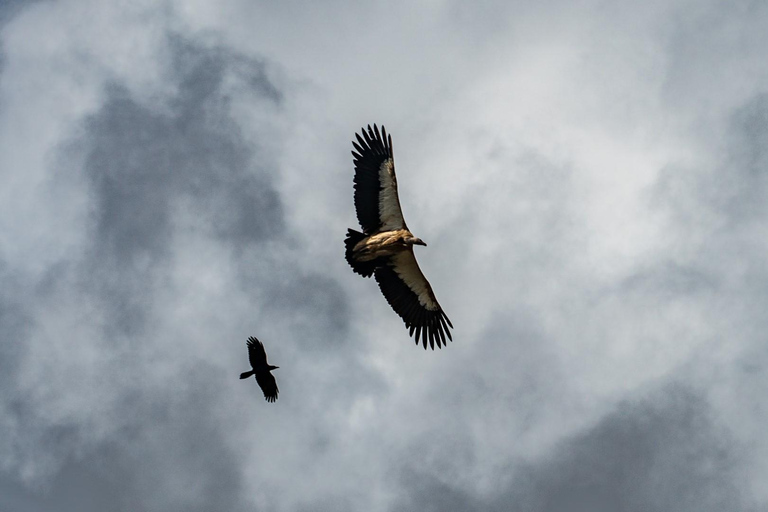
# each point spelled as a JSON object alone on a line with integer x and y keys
{"x": 385, "y": 247}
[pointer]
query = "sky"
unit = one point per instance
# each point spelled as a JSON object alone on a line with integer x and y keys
{"x": 590, "y": 178}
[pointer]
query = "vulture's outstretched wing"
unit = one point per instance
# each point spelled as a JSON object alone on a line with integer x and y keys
{"x": 408, "y": 292}
{"x": 256, "y": 353}
{"x": 376, "y": 201}
{"x": 267, "y": 384}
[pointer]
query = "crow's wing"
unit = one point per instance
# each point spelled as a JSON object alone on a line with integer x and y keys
{"x": 256, "y": 353}
{"x": 267, "y": 384}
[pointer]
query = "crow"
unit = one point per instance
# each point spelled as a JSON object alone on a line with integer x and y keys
{"x": 258, "y": 359}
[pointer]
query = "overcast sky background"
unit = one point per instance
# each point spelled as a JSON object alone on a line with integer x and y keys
{"x": 591, "y": 179}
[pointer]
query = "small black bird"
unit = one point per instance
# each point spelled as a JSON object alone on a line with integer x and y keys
{"x": 258, "y": 358}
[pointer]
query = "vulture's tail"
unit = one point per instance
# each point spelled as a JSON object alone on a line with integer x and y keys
{"x": 245, "y": 375}
{"x": 364, "y": 268}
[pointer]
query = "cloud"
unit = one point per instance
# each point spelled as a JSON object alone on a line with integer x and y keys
{"x": 172, "y": 456}
{"x": 660, "y": 452}
{"x": 143, "y": 167}
{"x": 98, "y": 374}
{"x": 11, "y": 8}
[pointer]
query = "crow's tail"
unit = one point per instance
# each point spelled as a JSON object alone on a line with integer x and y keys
{"x": 245, "y": 375}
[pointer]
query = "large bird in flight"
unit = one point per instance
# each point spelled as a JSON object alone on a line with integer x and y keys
{"x": 385, "y": 247}
{"x": 258, "y": 359}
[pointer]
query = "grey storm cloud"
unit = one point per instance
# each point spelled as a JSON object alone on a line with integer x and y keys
{"x": 719, "y": 206}
{"x": 15, "y": 322}
{"x": 170, "y": 436}
{"x": 747, "y": 160}
{"x": 659, "y": 453}
{"x": 12, "y": 7}
{"x": 137, "y": 163}
{"x": 140, "y": 164}
{"x": 656, "y": 453}
{"x": 166, "y": 451}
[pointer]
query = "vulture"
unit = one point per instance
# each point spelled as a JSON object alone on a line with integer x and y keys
{"x": 258, "y": 359}
{"x": 385, "y": 247}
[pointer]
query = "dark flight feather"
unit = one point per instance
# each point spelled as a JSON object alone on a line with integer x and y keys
{"x": 426, "y": 322}
{"x": 374, "y": 165}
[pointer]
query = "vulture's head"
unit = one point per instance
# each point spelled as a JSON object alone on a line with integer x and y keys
{"x": 414, "y": 240}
